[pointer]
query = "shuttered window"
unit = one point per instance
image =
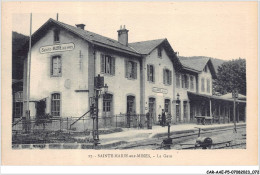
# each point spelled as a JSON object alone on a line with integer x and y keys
{"x": 182, "y": 81}
{"x": 130, "y": 69}
{"x": 150, "y": 73}
{"x": 208, "y": 85}
{"x": 186, "y": 78}
{"x": 107, "y": 64}
{"x": 178, "y": 80}
{"x": 167, "y": 77}
{"x": 56, "y": 66}
{"x": 202, "y": 85}
{"x": 191, "y": 83}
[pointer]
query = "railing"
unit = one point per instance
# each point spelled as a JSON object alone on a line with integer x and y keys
{"x": 79, "y": 118}
{"x": 85, "y": 122}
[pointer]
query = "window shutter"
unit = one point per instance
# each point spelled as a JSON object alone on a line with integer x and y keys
{"x": 170, "y": 77}
{"x": 148, "y": 72}
{"x": 163, "y": 76}
{"x": 188, "y": 81}
{"x": 126, "y": 69}
{"x": 153, "y": 74}
{"x": 113, "y": 66}
{"x": 60, "y": 65}
{"x": 55, "y": 66}
{"x": 102, "y": 63}
{"x": 135, "y": 70}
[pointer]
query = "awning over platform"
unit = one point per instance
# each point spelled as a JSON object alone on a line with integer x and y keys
{"x": 196, "y": 96}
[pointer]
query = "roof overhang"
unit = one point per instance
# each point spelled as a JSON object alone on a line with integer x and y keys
{"x": 196, "y": 96}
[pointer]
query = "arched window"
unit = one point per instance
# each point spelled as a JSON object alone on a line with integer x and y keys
{"x": 55, "y": 104}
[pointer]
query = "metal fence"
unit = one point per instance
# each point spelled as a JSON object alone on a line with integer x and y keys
{"x": 84, "y": 123}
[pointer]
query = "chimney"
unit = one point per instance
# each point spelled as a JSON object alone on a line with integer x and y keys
{"x": 123, "y": 35}
{"x": 80, "y": 26}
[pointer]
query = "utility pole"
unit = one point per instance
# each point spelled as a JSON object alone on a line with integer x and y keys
{"x": 27, "y": 118}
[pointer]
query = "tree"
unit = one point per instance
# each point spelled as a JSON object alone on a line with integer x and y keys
{"x": 231, "y": 76}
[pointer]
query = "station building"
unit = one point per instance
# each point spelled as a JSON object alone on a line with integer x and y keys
{"x": 142, "y": 77}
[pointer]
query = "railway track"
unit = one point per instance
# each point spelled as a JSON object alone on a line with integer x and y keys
{"x": 155, "y": 143}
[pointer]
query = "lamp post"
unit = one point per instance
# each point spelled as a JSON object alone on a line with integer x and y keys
{"x": 99, "y": 84}
{"x": 235, "y": 96}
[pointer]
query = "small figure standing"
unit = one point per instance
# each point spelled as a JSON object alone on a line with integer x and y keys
{"x": 163, "y": 118}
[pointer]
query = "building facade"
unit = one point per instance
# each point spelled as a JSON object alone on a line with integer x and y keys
{"x": 143, "y": 77}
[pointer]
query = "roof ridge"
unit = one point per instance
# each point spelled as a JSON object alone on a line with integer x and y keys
{"x": 148, "y": 40}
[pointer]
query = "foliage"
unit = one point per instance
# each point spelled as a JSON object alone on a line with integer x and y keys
{"x": 231, "y": 76}
{"x": 43, "y": 120}
{"x": 19, "y": 52}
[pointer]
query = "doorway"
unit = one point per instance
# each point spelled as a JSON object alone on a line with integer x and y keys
{"x": 152, "y": 110}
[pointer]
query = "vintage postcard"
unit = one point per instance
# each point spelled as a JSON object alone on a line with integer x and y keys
{"x": 129, "y": 83}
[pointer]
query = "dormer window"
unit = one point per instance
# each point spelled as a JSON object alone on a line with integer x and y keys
{"x": 56, "y": 35}
{"x": 159, "y": 51}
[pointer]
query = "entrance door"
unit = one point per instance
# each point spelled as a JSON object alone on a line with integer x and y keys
{"x": 152, "y": 109}
{"x": 185, "y": 111}
{"x": 130, "y": 104}
{"x": 130, "y": 107}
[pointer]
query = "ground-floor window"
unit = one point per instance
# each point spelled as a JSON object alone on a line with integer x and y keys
{"x": 107, "y": 103}
{"x": 167, "y": 105}
{"x": 55, "y": 104}
{"x": 18, "y": 109}
{"x": 152, "y": 110}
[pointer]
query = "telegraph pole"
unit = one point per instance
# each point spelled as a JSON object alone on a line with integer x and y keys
{"x": 27, "y": 128}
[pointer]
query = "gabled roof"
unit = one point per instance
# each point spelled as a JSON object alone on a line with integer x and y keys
{"x": 137, "y": 49}
{"x": 146, "y": 47}
{"x": 197, "y": 64}
{"x": 84, "y": 34}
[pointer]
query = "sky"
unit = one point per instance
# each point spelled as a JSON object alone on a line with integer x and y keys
{"x": 224, "y": 30}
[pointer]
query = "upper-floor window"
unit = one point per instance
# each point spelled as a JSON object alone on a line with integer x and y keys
{"x": 202, "y": 85}
{"x": 159, "y": 51}
{"x": 167, "y": 77}
{"x": 130, "y": 69}
{"x": 56, "y": 35}
{"x": 208, "y": 85}
{"x": 178, "y": 80}
{"x": 191, "y": 83}
{"x": 206, "y": 68}
{"x": 186, "y": 80}
{"x": 182, "y": 81}
{"x": 107, "y": 64}
{"x": 55, "y": 104}
{"x": 150, "y": 73}
{"x": 56, "y": 66}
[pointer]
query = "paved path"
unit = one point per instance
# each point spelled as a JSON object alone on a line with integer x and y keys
{"x": 133, "y": 134}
